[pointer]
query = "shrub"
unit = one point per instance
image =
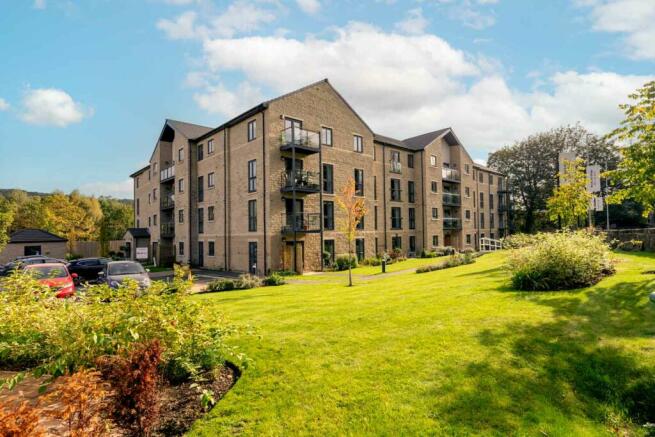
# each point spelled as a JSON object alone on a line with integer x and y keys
{"x": 428, "y": 253}
{"x": 220, "y": 285}
{"x": 396, "y": 254}
{"x": 72, "y": 256}
{"x": 373, "y": 261}
{"x": 452, "y": 261}
{"x": 516, "y": 241}
{"x": 136, "y": 383}
{"x": 467, "y": 250}
{"x": 20, "y": 421}
{"x": 247, "y": 281}
{"x": 342, "y": 262}
{"x": 285, "y": 272}
{"x": 630, "y": 246}
{"x": 274, "y": 279}
{"x": 560, "y": 261}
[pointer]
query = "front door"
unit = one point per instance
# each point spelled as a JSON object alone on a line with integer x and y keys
{"x": 201, "y": 253}
{"x": 288, "y": 258}
{"x": 252, "y": 257}
{"x": 447, "y": 240}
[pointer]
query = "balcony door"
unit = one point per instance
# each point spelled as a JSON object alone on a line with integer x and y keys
{"x": 292, "y": 129}
{"x": 288, "y": 165}
{"x": 288, "y": 206}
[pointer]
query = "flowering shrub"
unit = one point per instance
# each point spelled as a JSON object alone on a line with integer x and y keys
{"x": 455, "y": 260}
{"x": 560, "y": 261}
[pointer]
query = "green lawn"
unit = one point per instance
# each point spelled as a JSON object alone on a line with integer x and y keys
{"x": 449, "y": 352}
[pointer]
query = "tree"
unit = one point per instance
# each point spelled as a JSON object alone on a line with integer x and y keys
{"x": 116, "y": 218}
{"x": 75, "y": 217}
{"x": 532, "y": 165}
{"x": 635, "y": 175}
{"x": 6, "y": 219}
{"x": 570, "y": 200}
{"x": 355, "y": 209}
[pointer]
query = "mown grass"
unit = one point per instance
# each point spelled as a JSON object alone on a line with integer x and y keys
{"x": 448, "y": 352}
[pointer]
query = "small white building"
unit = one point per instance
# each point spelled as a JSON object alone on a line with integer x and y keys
{"x": 26, "y": 242}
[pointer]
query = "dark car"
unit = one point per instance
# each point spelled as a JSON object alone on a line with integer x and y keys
{"x": 23, "y": 261}
{"x": 87, "y": 269}
{"x": 115, "y": 272}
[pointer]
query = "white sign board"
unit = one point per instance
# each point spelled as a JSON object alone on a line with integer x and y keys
{"x": 596, "y": 203}
{"x": 141, "y": 253}
{"x": 593, "y": 179}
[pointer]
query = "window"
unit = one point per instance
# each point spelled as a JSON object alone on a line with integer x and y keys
{"x": 360, "y": 224}
{"x": 395, "y": 190}
{"x": 375, "y": 217}
{"x": 492, "y": 236}
{"x": 359, "y": 182}
{"x": 395, "y": 156}
{"x": 328, "y": 178}
{"x": 328, "y": 249}
{"x": 210, "y": 150}
{"x": 468, "y": 238}
{"x": 137, "y": 182}
{"x": 210, "y": 180}
{"x": 412, "y": 218}
{"x": 201, "y": 189}
{"x": 481, "y": 200}
{"x": 149, "y": 221}
{"x": 252, "y": 256}
{"x": 433, "y": 186}
{"x": 326, "y": 136}
{"x": 180, "y": 216}
{"x": 138, "y": 204}
{"x": 491, "y": 179}
{"x": 491, "y": 220}
{"x": 180, "y": 248}
{"x": 210, "y": 213}
{"x": 154, "y": 194}
{"x": 138, "y": 223}
{"x": 359, "y": 248}
{"x": 412, "y": 244}
{"x": 358, "y": 144}
{"x": 252, "y": 130}
{"x": 482, "y": 220}
{"x": 211, "y": 250}
{"x": 410, "y": 160}
{"x": 467, "y": 214}
{"x": 411, "y": 194}
{"x": 435, "y": 240}
{"x": 467, "y": 170}
{"x": 328, "y": 215}
{"x": 396, "y": 218}
{"x": 252, "y": 216}
{"x": 154, "y": 220}
{"x": 377, "y": 251}
{"x": 480, "y": 177}
{"x": 467, "y": 191}
{"x": 396, "y": 242}
{"x": 433, "y": 160}
{"x": 180, "y": 185}
{"x": 435, "y": 213}
{"x": 180, "y": 154}
{"x": 491, "y": 201}
{"x": 149, "y": 174}
{"x": 375, "y": 187}
{"x": 474, "y": 199}
{"x": 201, "y": 152}
{"x": 154, "y": 167}
{"x": 149, "y": 198}
{"x": 252, "y": 176}
{"x": 201, "y": 220}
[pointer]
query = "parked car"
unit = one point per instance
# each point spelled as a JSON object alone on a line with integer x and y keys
{"x": 24, "y": 261}
{"x": 55, "y": 276}
{"x": 115, "y": 272}
{"x": 87, "y": 268}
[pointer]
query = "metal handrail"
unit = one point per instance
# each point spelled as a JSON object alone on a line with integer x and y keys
{"x": 301, "y": 179}
{"x": 301, "y": 222}
{"x": 167, "y": 173}
{"x": 452, "y": 223}
{"x": 451, "y": 199}
{"x": 167, "y": 228}
{"x": 396, "y": 167}
{"x": 167, "y": 202}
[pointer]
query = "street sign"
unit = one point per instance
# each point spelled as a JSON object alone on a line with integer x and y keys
{"x": 593, "y": 179}
{"x": 141, "y": 253}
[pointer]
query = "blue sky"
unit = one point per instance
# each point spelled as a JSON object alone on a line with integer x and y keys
{"x": 85, "y": 85}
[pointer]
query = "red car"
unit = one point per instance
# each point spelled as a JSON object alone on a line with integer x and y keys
{"x": 55, "y": 276}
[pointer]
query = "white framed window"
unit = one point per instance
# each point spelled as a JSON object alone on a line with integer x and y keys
{"x": 358, "y": 144}
{"x": 180, "y": 154}
{"x": 210, "y": 180}
{"x": 180, "y": 185}
{"x": 252, "y": 130}
{"x": 433, "y": 160}
{"x": 326, "y": 136}
{"x": 210, "y": 147}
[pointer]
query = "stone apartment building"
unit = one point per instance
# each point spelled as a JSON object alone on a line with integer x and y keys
{"x": 257, "y": 193}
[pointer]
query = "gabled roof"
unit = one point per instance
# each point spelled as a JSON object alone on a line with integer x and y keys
{"x": 34, "y": 236}
{"x": 138, "y": 172}
{"x": 419, "y": 142}
{"x": 189, "y": 130}
{"x": 388, "y": 140}
{"x": 139, "y": 232}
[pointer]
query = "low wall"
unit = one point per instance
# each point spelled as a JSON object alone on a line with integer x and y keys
{"x": 647, "y": 235}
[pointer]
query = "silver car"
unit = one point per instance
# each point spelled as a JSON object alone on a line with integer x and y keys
{"x": 115, "y": 272}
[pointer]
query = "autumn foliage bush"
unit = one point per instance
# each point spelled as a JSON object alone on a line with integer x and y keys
{"x": 20, "y": 421}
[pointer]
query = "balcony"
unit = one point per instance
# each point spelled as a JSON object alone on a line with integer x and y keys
{"x": 502, "y": 187}
{"x": 503, "y": 207}
{"x": 450, "y": 175}
{"x": 301, "y": 181}
{"x": 167, "y": 174}
{"x": 301, "y": 222}
{"x": 167, "y": 230}
{"x": 167, "y": 202}
{"x": 451, "y": 199}
{"x": 452, "y": 223}
{"x": 299, "y": 140}
{"x": 396, "y": 167}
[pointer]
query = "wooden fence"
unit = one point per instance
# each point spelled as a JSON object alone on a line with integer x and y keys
{"x": 87, "y": 249}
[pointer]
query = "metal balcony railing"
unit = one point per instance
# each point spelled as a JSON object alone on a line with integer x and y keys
{"x": 452, "y": 223}
{"x": 450, "y": 174}
{"x": 167, "y": 229}
{"x": 167, "y": 202}
{"x": 451, "y": 199}
{"x": 301, "y": 222}
{"x": 167, "y": 174}
{"x": 396, "y": 167}
{"x": 301, "y": 181}
{"x": 502, "y": 207}
{"x": 303, "y": 141}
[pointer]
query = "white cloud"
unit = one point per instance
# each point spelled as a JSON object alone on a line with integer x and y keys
{"x": 122, "y": 189}
{"x": 238, "y": 18}
{"x": 4, "y": 105}
{"x": 51, "y": 106}
{"x": 39, "y": 4}
{"x": 404, "y": 85}
{"x": 471, "y": 13}
{"x": 414, "y": 23}
{"x": 632, "y": 18}
{"x": 309, "y": 6}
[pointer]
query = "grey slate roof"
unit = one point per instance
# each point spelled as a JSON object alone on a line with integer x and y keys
{"x": 139, "y": 232}
{"x": 34, "y": 236}
{"x": 420, "y": 141}
{"x": 189, "y": 130}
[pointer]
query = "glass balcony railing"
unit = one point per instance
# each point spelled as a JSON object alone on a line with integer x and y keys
{"x": 167, "y": 174}
{"x": 452, "y": 223}
{"x": 301, "y": 140}
{"x": 396, "y": 167}
{"x": 301, "y": 222}
{"x": 301, "y": 181}
{"x": 450, "y": 174}
{"x": 167, "y": 202}
{"x": 167, "y": 229}
{"x": 451, "y": 199}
